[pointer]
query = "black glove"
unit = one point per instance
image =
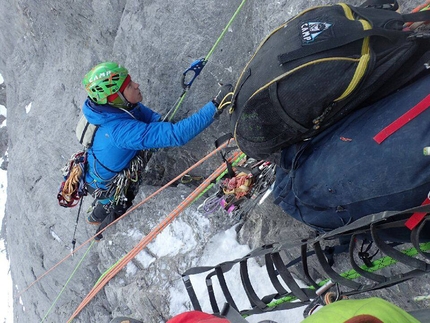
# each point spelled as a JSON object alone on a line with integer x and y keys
{"x": 223, "y": 97}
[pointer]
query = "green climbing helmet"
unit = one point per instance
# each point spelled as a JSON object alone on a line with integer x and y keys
{"x": 103, "y": 80}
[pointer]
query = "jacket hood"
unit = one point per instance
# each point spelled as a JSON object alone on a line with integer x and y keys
{"x": 99, "y": 114}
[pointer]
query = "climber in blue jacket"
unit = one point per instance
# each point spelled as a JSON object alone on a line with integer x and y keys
{"x": 126, "y": 128}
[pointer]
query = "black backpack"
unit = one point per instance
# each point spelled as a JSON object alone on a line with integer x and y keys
{"x": 318, "y": 67}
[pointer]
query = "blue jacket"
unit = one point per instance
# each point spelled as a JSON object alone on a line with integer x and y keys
{"x": 120, "y": 136}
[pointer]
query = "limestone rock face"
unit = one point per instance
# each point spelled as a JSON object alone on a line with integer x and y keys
{"x": 46, "y": 48}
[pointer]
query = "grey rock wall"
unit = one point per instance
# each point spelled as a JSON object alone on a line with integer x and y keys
{"x": 46, "y": 47}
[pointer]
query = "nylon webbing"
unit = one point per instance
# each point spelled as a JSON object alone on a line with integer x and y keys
{"x": 334, "y": 276}
{"x": 358, "y": 269}
{"x": 409, "y": 115}
{"x": 337, "y": 42}
{"x": 373, "y": 226}
{"x": 415, "y": 238}
{"x": 249, "y": 290}
{"x": 273, "y": 276}
{"x": 396, "y": 254}
{"x": 288, "y": 278}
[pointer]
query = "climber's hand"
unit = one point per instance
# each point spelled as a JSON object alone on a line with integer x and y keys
{"x": 223, "y": 97}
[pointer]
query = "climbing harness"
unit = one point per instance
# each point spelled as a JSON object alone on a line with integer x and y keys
{"x": 192, "y": 72}
{"x": 372, "y": 227}
{"x": 128, "y": 178}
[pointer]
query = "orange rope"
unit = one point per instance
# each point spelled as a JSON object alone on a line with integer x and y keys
{"x": 126, "y": 213}
{"x": 424, "y": 6}
{"x": 150, "y": 237}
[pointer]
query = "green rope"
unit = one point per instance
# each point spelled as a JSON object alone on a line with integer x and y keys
{"x": 224, "y": 30}
{"x": 108, "y": 271}
{"x": 67, "y": 282}
{"x": 209, "y": 54}
{"x": 352, "y": 274}
{"x": 178, "y": 104}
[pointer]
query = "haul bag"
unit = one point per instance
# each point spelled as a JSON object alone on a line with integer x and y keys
{"x": 344, "y": 174}
{"x": 318, "y": 67}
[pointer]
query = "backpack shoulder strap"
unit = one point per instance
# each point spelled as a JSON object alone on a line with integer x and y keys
{"x": 85, "y": 132}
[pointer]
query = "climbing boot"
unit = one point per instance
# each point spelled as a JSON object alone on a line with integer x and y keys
{"x": 93, "y": 221}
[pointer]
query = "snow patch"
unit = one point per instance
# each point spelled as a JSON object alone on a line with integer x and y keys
{"x": 177, "y": 238}
{"x": 28, "y": 107}
{"x": 3, "y": 111}
{"x": 54, "y": 235}
{"x": 145, "y": 259}
{"x": 130, "y": 269}
{"x": 135, "y": 234}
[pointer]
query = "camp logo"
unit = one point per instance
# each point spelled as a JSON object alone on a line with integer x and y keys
{"x": 311, "y": 30}
{"x": 101, "y": 75}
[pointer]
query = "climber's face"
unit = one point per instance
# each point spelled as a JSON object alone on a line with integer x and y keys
{"x": 132, "y": 93}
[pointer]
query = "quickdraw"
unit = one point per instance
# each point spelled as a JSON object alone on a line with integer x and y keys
{"x": 239, "y": 194}
{"x": 126, "y": 179}
{"x": 73, "y": 188}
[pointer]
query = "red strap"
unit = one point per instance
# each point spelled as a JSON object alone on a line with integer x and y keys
{"x": 196, "y": 317}
{"x": 417, "y": 217}
{"x": 402, "y": 120}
